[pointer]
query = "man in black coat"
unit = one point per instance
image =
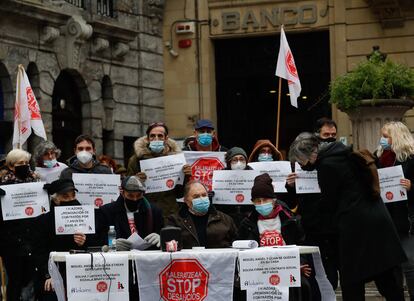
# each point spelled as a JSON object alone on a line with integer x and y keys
{"x": 369, "y": 248}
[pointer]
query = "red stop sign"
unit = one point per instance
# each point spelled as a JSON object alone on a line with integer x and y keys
{"x": 184, "y": 279}
{"x": 202, "y": 170}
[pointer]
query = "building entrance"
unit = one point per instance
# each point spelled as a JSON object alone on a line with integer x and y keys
{"x": 246, "y": 88}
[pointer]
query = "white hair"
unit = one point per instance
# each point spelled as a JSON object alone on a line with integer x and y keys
{"x": 17, "y": 155}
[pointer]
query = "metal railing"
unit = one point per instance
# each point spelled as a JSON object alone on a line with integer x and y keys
{"x": 105, "y": 8}
{"x": 77, "y": 3}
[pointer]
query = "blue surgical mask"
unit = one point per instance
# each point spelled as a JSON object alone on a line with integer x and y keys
{"x": 201, "y": 205}
{"x": 264, "y": 209}
{"x": 49, "y": 163}
{"x": 205, "y": 139}
{"x": 265, "y": 157}
{"x": 384, "y": 143}
{"x": 156, "y": 146}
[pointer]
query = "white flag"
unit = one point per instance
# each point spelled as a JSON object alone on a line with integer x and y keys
{"x": 27, "y": 112}
{"x": 286, "y": 69}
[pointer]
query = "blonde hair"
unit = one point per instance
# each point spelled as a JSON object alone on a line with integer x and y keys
{"x": 402, "y": 140}
{"x": 16, "y": 155}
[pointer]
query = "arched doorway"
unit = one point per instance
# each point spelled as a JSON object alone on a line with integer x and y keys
{"x": 67, "y": 110}
{"x": 6, "y": 110}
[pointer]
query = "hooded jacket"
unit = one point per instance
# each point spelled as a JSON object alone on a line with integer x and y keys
{"x": 165, "y": 200}
{"x": 366, "y": 234}
{"x": 277, "y": 155}
{"x": 75, "y": 167}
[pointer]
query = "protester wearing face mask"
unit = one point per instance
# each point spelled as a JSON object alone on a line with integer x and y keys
{"x": 264, "y": 151}
{"x": 84, "y": 160}
{"x": 205, "y": 138}
{"x": 396, "y": 147}
{"x": 326, "y": 130}
{"x": 155, "y": 144}
{"x": 368, "y": 245}
{"x": 45, "y": 157}
{"x": 16, "y": 247}
{"x": 200, "y": 222}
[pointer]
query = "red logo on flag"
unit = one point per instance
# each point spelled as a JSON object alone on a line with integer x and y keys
{"x": 239, "y": 198}
{"x": 184, "y": 279}
{"x": 29, "y": 211}
{"x": 290, "y": 64}
{"x": 274, "y": 279}
{"x": 101, "y": 286}
{"x": 170, "y": 183}
{"x": 98, "y": 202}
{"x": 389, "y": 195}
{"x": 33, "y": 107}
{"x": 202, "y": 170}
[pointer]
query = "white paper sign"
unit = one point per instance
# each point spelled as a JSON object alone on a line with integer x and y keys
{"x": 233, "y": 187}
{"x": 268, "y": 293}
{"x": 138, "y": 243}
{"x": 270, "y": 267}
{"x": 391, "y": 189}
{"x": 26, "y": 200}
{"x": 203, "y": 164}
{"x": 163, "y": 173}
{"x": 109, "y": 273}
{"x": 306, "y": 181}
{"x": 325, "y": 287}
{"x": 277, "y": 170}
{"x": 72, "y": 219}
{"x": 96, "y": 189}
{"x": 50, "y": 174}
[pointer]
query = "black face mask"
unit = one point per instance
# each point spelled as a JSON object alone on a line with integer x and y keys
{"x": 131, "y": 204}
{"x": 308, "y": 166}
{"x": 22, "y": 171}
{"x": 327, "y": 140}
{"x": 74, "y": 202}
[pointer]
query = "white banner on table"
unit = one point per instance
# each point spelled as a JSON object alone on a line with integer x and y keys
{"x": 270, "y": 267}
{"x": 391, "y": 189}
{"x": 203, "y": 164}
{"x": 268, "y": 293}
{"x": 306, "y": 181}
{"x": 109, "y": 273}
{"x": 163, "y": 173}
{"x": 325, "y": 287}
{"x": 72, "y": 219}
{"x": 233, "y": 187}
{"x": 26, "y": 200}
{"x": 186, "y": 275}
{"x": 96, "y": 189}
{"x": 277, "y": 170}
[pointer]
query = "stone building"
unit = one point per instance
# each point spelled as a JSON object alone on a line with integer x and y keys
{"x": 221, "y": 59}
{"x": 96, "y": 67}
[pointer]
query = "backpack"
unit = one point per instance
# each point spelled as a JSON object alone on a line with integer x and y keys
{"x": 367, "y": 169}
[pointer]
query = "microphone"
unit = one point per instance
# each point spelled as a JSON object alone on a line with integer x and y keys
{"x": 105, "y": 248}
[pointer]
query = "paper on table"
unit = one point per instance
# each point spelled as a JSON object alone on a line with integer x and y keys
{"x": 138, "y": 242}
{"x": 245, "y": 244}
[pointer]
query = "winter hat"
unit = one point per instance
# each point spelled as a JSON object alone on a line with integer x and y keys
{"x": 234, "y": 151}
{"x": 60, "y": 186}
{"x": 262, "y": 187}
{"x": 132, "y": 184}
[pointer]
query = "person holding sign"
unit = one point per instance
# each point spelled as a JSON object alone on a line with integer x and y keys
{"x": 369, "y": 248}
{"x": 264, "y": 151}
{"x": 17, "y": 244}
{"x": 51, "y": 238}
{"x": 205, "y": 138}
{"x": 155, "y": 144}
{"x": 201, "y": 224}
{"x": 396, "y": 147}
{"x": 84, "y": 160}
{"x": 45, "y": 157}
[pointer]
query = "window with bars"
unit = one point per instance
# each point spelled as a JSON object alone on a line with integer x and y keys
{"x": 77, "y": 3}
{"x": 105, "y": 8}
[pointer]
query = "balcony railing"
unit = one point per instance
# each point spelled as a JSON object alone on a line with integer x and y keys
{"x": 105, "y": 8}
{"x": 77, "y": 3}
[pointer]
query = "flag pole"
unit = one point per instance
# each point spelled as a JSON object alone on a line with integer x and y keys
{"x": 279, "y": 94}
{"x": 18, "y": 104}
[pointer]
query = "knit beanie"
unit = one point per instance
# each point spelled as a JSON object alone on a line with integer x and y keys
{"x": 262, "y": 187}
{"x": 234, "y": 151}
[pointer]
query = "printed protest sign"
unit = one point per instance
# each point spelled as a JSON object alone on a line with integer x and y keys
{"x": 26, "y": 200}
{"x": 306, "y": 181}
{"x": 203, "y": 164}
{"x": 233, "y": 187}
{"x": 277, "y": 170}
{"x": 270, "y": 267}
{"x": 72, "y": 219}
{"x": 268, "y": 293}
{"x": 108, "y": 274}
{"x": 163, "y": 173}
{"x": 391, "y": 189}
{"x": 96, "y": 189}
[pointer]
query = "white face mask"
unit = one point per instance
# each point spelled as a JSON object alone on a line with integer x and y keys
{"x": 238, "y": 165}
{"x": 84, "y": 157}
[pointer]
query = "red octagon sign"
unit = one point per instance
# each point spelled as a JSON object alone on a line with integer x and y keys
{"x": 202, "y": 170}
{"x": 184, "y": 279}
